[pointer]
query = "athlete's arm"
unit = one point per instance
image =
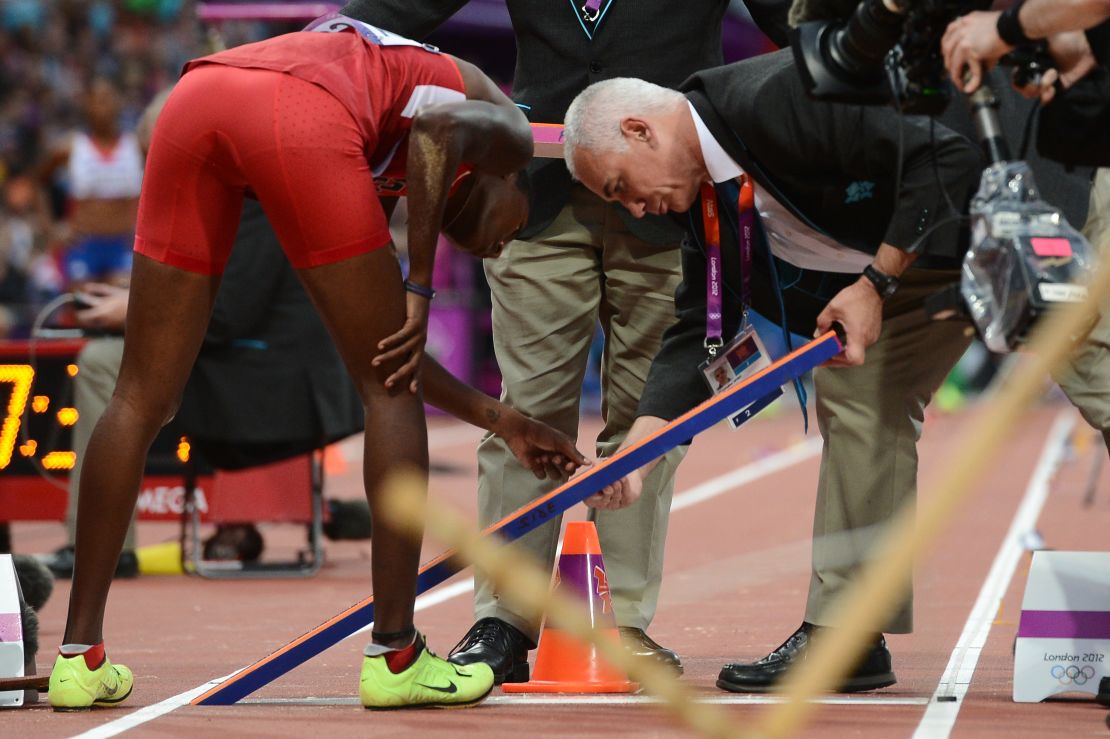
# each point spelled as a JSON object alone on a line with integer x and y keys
{"x": 486, "y": 131}
{"x": 540, "y": 448}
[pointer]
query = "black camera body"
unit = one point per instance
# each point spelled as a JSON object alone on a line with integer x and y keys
{"x": 885, "y": 52}
{"x": 1024, "y": 257}
{"x": 1024, "y": 260}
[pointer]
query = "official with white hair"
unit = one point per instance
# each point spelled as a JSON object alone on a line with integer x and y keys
{"x": 831, "y": 239}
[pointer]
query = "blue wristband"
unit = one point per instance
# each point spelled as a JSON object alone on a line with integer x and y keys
{"x": 424, "y": 292}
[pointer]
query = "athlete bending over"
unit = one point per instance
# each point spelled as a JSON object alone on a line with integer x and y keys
{"x": 304, "y": 122}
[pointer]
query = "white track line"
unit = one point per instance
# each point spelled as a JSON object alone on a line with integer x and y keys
{"x": 614, "y": 700}
{"x": 698, "y": 494}
{"x": 940, "y": 716}
{"x": 732, "y": 699}
{"x": 777, "y": 462}
{"x": 149, "y": 713}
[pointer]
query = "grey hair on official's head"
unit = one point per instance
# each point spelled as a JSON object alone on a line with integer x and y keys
{"x": 593, "y": 120}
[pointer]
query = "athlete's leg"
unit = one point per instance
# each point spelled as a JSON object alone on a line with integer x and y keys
{"x": 166, "y": 318}
{"x": 314, "y": 182}
{"x": 188, "y": 213}
{"x": 362, "y": 301}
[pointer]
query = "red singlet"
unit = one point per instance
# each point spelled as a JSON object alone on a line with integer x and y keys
{"x": 303, "y": 121}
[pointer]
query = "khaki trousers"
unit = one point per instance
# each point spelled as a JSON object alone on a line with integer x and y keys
{"x": 1086, "y": 380}
{"x": 548, "y": 295}
{"x": 98, "y": 366}
{"x": 870, "y": 418}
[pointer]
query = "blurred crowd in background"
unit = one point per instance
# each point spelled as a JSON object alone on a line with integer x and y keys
{"x": 51, "y": 52}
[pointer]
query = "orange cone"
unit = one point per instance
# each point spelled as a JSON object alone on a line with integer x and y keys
{"x": 564, "y": 664}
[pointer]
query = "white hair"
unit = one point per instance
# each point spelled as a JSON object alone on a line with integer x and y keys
{"x": 593, "y": 120}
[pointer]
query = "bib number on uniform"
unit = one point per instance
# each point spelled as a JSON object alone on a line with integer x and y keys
{"x": 337, "y": 23}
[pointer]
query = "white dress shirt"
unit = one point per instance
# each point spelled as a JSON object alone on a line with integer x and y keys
{"x": 789, "y": 238}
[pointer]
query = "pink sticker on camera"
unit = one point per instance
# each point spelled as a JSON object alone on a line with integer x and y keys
{"x": 1050, "y": 247}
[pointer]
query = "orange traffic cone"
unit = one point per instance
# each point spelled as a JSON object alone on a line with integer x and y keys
{"x": 564, "y": 664}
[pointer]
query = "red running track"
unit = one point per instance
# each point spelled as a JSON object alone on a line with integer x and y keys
{"x": 735, "y": 585}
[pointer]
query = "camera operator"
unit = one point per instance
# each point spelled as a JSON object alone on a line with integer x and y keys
{"x": 1074, "y": 129}
{"x": 981, "y": 38}
{"x": 1069, "y": 130}
{"x": 1074, "y": 126}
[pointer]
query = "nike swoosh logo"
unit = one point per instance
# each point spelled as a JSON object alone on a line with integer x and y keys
{"x": 451, "y": 688}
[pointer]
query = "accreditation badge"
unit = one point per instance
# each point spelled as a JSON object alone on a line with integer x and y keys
{"x": 736, "y": 361}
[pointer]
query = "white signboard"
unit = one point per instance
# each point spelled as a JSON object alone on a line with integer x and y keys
{"x": 1063, "y": 641}
{"x": 11, "y": 631}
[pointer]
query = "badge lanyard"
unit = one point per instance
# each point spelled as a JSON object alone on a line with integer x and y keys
{"x": 714, "y": 279}
{"x": 591, "y": 9}
{"x": 746, "y": 225}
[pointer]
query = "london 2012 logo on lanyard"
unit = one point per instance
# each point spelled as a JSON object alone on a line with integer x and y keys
{"x": 590, "y": 13}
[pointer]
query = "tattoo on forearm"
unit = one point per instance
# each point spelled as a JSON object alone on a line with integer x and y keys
{"x": 493, "y": 415}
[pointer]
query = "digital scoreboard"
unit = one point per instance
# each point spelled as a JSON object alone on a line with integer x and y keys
{"x": 36, "y": 438}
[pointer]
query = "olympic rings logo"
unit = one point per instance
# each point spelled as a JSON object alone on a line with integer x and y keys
{"x": 1072, "y": 675}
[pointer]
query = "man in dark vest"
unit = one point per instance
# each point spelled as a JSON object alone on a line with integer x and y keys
{"x": 580, "y": 260}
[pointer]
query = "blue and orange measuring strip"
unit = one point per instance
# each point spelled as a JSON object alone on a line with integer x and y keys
{"x": 758, "y": 389}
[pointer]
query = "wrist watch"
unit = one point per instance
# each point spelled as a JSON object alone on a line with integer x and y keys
{"x": 1009, "y": 27}
{"x": 885, "y": 284}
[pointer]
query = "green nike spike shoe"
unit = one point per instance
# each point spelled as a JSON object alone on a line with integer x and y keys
{"x": 429, "y": 682}
{"x": 74, "y": 687}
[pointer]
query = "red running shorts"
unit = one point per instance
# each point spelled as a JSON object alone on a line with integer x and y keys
{"x": 226, "y": 131}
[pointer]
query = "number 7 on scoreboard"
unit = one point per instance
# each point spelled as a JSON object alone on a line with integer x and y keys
{"x": 20, "y": 376}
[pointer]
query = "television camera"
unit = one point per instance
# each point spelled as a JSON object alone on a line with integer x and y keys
{"x": 1024, "y": 257}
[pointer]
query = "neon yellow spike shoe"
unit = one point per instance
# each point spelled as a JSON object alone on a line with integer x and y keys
{"x": 429, "y": 682}
{"x": 74, "y": 687}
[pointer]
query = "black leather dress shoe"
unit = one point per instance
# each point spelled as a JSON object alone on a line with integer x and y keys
{"x": 639, "y": 643}
{"x": 61, "y": 563}
{"x": 873, "y": 672}
{"x": 499, "y": 645}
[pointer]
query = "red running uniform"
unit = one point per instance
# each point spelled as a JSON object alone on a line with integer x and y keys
{"x": 304, "y": 122}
